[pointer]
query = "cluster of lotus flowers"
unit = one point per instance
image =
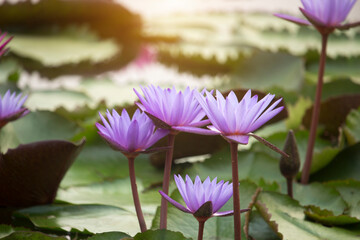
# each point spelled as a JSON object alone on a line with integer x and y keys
{"x": 165, "y": 112}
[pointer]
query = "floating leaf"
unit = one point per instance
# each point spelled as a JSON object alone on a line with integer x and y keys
{"x": 52, "y": 99}
{"x": 114, "y": 193}
{"x": 347, "y": 161}
{"x": 317, "y": 194}
{"x": 30, "y": 174}
{"x": 99, "y": 163}
{"x": 160, "y": 235}
{"x": 110, "y": 236}
{"x": 352, "y": 127}
{"x": 287, "y": 218}
{"x": 6, "y": 230}
{"x": 333, "y": 112}
{"x": 57, "y": 50}
{"x": 264, "y": 70}
{"x": 27, "y": 235}
{"x": 328, "y": 218}
{"x": 350, "y": 191}
{"x": 296, "y": 112}
{"x": 81, "y": 218}
{"x": 31, "y": 128}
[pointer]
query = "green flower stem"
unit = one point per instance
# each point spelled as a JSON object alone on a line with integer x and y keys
{"x": 135, "y": 194}
{"x": 236, "y": 196}
{"x": 316, "y": 112}
{"x": 166, "y": 180}
{"x": 201, "y": 230}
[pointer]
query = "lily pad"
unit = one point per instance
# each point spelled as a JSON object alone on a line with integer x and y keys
{"x": 287, "y": 218}
{"x": 81, "y": 218}
{"x": 160, "y": 235}
{"x": 110, "y": 236}
{"x": 347, "y": 160}
{"x": 28, "y": 235}
{"x": 352, "y": 128}
{"x": 31, "y": 128}
{"x": 57, "y": 50}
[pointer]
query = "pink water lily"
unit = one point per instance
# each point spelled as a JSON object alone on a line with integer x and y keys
{"x": 11, "y": 107}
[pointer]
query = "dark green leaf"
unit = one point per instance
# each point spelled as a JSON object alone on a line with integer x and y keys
{"x": 160, "y": 235}
{"x": 81, "y": 218}
{"x": 287, "y": 218}
{"x": 110, "y": 236}
{"x": 27, "y": 235}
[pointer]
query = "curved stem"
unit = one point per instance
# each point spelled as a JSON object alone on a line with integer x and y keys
{"x": 135, "y": 194}
{"x": 166, "y": 180}
{"x": 315, "y": 114}
{"x": 236, "y": 196}
{"x": 201, "y": 230}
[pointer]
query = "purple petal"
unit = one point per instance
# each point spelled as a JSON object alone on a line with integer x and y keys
{"x": 242, "y": 139}
{"x": 132, "y": 136}
{"x": 195, "y": 130}
{"x": 293, "y": 19}
{"x": 174, "y": 203}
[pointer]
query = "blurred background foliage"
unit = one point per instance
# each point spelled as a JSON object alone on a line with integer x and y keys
{"x": 75, "y": 58}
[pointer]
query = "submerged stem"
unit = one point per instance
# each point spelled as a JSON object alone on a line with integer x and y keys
{"x": 201, "y": 230}
{"x": 135, "y": 194}
{"x": 236, "y": 196}
{"x": 316, "y": 112}
{"x": 166, "y": 180}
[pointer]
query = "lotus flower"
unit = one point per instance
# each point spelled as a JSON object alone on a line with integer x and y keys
{"x": 130, "y": 136}
{"x": 11, "y": 107}
{"x": 322, "y": 14}
{"x": 199, "y": 193}
{"x": 3, "y": 48}
{"x": 176, "y": 111}
{"x": 236, "y": 120}
{"x": 172, "y": 109}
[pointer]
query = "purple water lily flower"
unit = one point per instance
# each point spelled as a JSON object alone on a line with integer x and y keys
{"x": 172, "y": 109}
{"x": 198, "y": 193}
{"x": 11, "y": 107}
{"x": 3, "y": 48}
{"x": 328, "y": 14}
{"x": 177, "y": 111}
{"x": 236, "y": 120}
{"x": 203, "y": 199}
{"x": 130, "y": 136}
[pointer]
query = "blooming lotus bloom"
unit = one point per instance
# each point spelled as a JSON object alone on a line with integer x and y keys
{"x": 3, "y": 48}
{"x": 323, "y": 13}
{"x": 236, "y": 120}
{"x": 211, "y": 194}
{"x": 130, "y": 136}
{"x": 11, "y": 107}
{"x": 171, "y": 109}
